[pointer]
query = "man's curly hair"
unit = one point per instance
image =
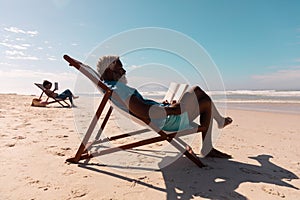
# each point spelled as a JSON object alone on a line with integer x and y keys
{"x": 104, "y": 62}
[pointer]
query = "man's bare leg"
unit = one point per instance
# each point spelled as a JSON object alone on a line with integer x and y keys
{"x": 196, "y": 102}
{"x": 206, "y": 120}
{"x": 222, "y": 121}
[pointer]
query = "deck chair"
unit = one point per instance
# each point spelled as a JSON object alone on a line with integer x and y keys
{"x": 62, "y": 102}
{"x": 83, "y": 152}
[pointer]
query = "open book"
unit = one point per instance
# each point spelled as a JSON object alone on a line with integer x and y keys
{"x": 175, "y": 91}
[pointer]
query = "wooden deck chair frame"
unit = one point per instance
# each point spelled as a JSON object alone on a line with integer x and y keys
{"x": 83, "y": 152}
{"x": 55, "y": 100}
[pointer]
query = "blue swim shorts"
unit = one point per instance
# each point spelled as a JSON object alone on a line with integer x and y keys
{"x": 177, "y": 122}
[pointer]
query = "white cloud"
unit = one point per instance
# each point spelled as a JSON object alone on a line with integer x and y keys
{"x": 14, "y": 53}
{"x": 20, "y": 39}
{"x": 132, "y": 67}
{"x": 5, "y": 40}
{"x": 280, "y": 75}
{"x": 19, "y": 55}
{"x": 281, "y": 79}
{"x": 74, "y": 44}
{"x": 18, "y": 73}
{"x": 17, "y": 30}
{"x": 22, "y": 57}
{"x": 6, "y": 64}
{"x": 25, "y": 45}
{"x": 13, "y": 46}
{"x": 14, "y": 30}
{"x": 32, "y": 33}
{"x": 52, "y": 59}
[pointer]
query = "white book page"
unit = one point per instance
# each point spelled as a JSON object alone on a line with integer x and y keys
{"x": 180, "y": 91}
{"x": 171, "y": 91}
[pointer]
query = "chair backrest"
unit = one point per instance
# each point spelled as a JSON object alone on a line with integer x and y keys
{"x": 91, "y": 74}
{"x": 88, "y": 72}
{"x": 40, "y": 86}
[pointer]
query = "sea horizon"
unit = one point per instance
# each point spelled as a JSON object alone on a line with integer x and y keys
{"x": 283, "y": 101}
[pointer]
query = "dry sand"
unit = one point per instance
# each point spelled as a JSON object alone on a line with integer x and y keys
{"x": 36, "y": 141}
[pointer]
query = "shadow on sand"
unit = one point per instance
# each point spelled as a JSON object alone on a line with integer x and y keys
{"x": 222, "y": 179}
{"x": 183, "y": 180}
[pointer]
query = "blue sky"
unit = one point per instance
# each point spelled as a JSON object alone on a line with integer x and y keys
{"x": 255, "y": 44}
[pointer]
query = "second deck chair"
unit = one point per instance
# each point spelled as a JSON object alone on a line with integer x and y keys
{"x": 83, "y": 152}
{"x": 62, "y": 102}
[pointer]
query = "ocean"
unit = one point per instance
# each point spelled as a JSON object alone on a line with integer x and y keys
{"x": 258, "y": 100}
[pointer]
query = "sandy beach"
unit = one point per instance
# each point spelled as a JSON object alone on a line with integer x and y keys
{"x": 35, "y": 142}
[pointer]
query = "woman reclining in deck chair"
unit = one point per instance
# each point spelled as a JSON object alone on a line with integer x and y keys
{"x": 64, "y": 95}
{"x": 173, "y": 117}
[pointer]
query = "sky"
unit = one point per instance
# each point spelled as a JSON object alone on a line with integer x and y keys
{"x": 254, "y": 44}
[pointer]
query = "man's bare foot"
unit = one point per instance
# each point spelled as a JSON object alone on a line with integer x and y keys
{"x": 214, "y": 153}
{"x": 75, "y": 97}
{"x": 226, "y": 121}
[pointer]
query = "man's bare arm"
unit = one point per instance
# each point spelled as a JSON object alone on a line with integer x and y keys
{"x": 142, "y": 110}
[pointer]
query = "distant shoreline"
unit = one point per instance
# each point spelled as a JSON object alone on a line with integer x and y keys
{"x": 266, "y": 107}
{"x": 275, "y": 107}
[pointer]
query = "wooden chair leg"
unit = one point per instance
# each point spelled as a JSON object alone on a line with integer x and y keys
{"x": 194, "y": 159}
{"x": 90, "y": 130}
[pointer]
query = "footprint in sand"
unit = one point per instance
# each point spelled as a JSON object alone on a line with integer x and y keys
{"x": 39, "y": 184}
{"x": 58, "y": 152}
{"x": 272, "y": 191}
{"x": 65, "y": 148}
{"x": 69, "y": 172}
{"x": 78, "y": 192}
{"x": 32, "y": 181}
{"x": 10, "y": 144}
{"x": 20, "y": 137}
{"x": 62, "y": 136}
{"x": 39, "y": 131}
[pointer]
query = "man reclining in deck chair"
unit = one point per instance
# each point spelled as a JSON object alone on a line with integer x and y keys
{"x": 169, "y": 117}
{"x": 64, "y": 95}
